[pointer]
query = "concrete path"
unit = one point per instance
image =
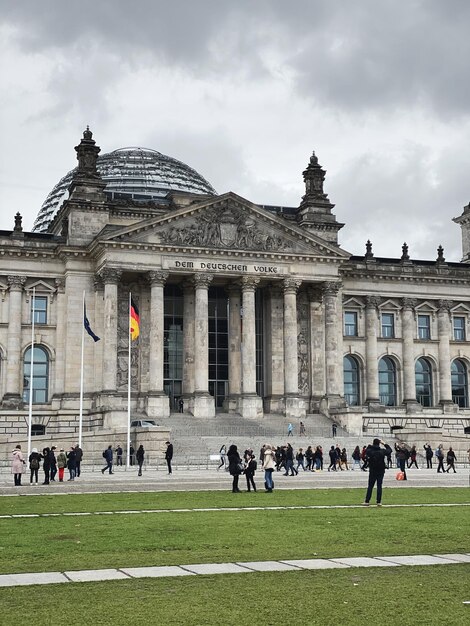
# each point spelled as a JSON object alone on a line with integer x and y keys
{"x": 202, "y": 569}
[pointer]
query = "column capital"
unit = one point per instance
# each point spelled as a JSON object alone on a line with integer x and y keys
{"x": 110, "y": 275}
{"x": 249, "y": 283}
{"x": 97, "y": 282}
{"x": 315, "y": 293}
{"x": 372, "y": 302}
{"x": 331, "y": 288}
{"x": 408, "y": 304}
{"x": 445, "y": 306}
{"x": 290, "y": 285}
{"x": 157, "y": 277}
{"x": 202, "y": 280}
{"x": 16, "y": 283}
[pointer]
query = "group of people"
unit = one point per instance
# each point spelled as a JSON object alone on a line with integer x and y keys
{"x": 53, "y": 464}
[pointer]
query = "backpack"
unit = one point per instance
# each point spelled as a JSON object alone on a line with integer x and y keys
{"x": 104, "y": 454}
{"x": 34, "y": 463}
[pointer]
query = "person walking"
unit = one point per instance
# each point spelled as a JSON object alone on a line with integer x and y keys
{"x": 338, "y": 457}
{"x": 309, "y": 458}
{"x": 413, "y": 456}
{"x": 290, "y": 461}
{"x": 61, "y": 464}
{"x": 332, "y": 455}
{"x": 344, "y": 459}
{"x": 363, "y": 458}
{"x": 223, "y": 454}
{"x": 429, "y": 454}
{"x": 375, "y": 455}
{"x": 290, "y": 430}
{"x": 302, "y": 431}
{"x": 78, "y": 460}
{"x": 140, "y": 455}
{"x": 235, "y": 466}
{"x": 451, "y": 458}
{"x": 17, "y": 465}
{"x": 72, "y": 463}
{"x": 299, "y": 457}
{"x": 356, "y": 457}
{"x": 46, "y": 466}
{"x": 269, "y": 463}
{"x": 250, "y": 473}
{"x": 53, "y": 463}
{"x": 108, "y": 456}
{"x": 318, "y": 459}
{"x": 440, "y": 458}
{"x": 34, "y": 460}
{"x": 169, "y": 456}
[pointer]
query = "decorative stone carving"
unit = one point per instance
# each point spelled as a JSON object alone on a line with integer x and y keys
{"x": 202, "y": 280}
{"x": 291, "y": 285}
{"x": 404, "y": 252}
{"x": 249, "y": 283}
{"x": 110, "y": 275}
{"x": 225, "y": 228}
{"x": 445, "y": 305}
{"x": 18, "y": 223}
{"x": 59, "y": 285}
{"x": 331, "y": 288}
{"x": 122, "y": 376}
{"x": 369, "y": 254}
{"x": 157, "y": 277}
{"x": 440, "y": 255}
{"x": 302, "y": 344}
{"x": 16, "y": 283}
{"x": 372, "y": 302}
{"x": 408, "y": 303}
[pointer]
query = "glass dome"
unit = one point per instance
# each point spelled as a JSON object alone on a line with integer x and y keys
{"x": 135, "y": 173}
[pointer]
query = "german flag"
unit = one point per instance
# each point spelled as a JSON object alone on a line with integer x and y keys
{"x": 134, "y": 321}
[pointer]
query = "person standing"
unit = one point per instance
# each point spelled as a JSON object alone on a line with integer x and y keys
{"x": 169, "y": 456}
{"x": 53, "y": 463}
{"x": 332, "y": 455}
{"x": 17, "y": 465}
{"x": 440, "y": 459}
{"x": 429, "y": 454}
{"x": 250, "y": 473}
{"x": 269, "y": 463}
{"x": 119, "y": 455}
{"x": 234, "y": 466}
{"x": 108, "y": 456}
{"x": 61, "y": 464}
{"x": 375, "y": 456}
{"x": 338, "y": 457}
{"x": 140, "y": 455}
{"x": 181, "y": 405}
{"x": 309, "y": 458}
{"x": 363, "y": 458}
{"x": 334, "y": 429}
{"x": 451, "y": 458}
{"x": 290, "y": 461}
{"x": 131, "y": 455}
{"x": 46, "y": 466}
{"x": 402, "y": 456}
{"x": 413, "y": 456}
{"x": 290, "y": 430}
{"x": 356, "y": 456}
{"x": 72, "y": 463}
{"x": 78, "y": 460}
{"x": 300, "y": 456}
{"x": 223, "y": 454}
{"x": 302, "y": 431}
{"x": 34, "y": 464}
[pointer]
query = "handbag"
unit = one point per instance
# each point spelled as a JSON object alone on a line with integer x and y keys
{"x": 240, "y": 468}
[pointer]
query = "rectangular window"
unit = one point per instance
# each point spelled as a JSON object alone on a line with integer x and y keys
{"x": 459, "y": 328}
{"x": 388, "y": 325}
{"x": 40, "y": 309}
{"x": 350, "y": 324}
{"x": 424, "y": 327}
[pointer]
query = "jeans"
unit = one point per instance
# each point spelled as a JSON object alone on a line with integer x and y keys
{"x": 268, "y": 479}
{"x": 375, "y": 478}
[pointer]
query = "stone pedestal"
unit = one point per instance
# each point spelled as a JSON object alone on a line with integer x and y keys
{"x": 158, "y": 405}
{"x": 203, "y": 405}
{"x": 251, "y": 406}
{"x": 275, "y": 404}
{"x": 294, "y": 407}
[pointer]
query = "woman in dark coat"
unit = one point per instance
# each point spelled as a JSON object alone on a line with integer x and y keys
{"x": 450, "y": 460}
{"x": 72, "y": 462}
{"x": 234, "y": 465}
{"x": 46, "y": 466}
{"x": 140, "y": 455}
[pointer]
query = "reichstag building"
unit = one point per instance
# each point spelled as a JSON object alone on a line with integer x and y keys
{"x": 244, "y": 308}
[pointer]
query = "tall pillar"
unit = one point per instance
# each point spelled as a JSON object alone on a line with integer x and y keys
{"x": 333, "y": 360}
{"x": 204, "y": 405}
{"x": 294, "y": 408}
{"x": 158, "y": 404}
{"x": 372, "y": 370}
{"x": 251, "y": 403}
{"x": 274, "y": 329}
{"x": 12, "y": 397}
{"x": 59, "y": 382}
{"x": 232, "y": 402}
{"x": 317, "y": 347}
{"x": 443, "y": 330}
{"x": 408, "y": 332}
{"x": 111, "y": 278}
{"x": 188, "y": 345}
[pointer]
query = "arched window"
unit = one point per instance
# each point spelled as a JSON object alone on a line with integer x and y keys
{"x": 351, "y": 381}
{"x": 423, "y": 378}
{"x": 40, "y": 373}
{"x": 387, "y": 382}
{"x": 459, "y": 383}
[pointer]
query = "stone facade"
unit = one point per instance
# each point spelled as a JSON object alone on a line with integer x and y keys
{"x": 244, "y": 308}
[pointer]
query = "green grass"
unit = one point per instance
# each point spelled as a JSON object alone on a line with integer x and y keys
{"x": 48, "y": 544}
{"x": 394, "y": 596}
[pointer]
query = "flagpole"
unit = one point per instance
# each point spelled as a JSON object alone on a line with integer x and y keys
{"x": 80, "y": 418}
{"x": 31, "y": 372}
{"x": 129, "y": 377}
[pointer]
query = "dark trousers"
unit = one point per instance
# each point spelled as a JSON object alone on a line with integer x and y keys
{"x": 140, "y": 463}
{"x": 450, "y": 466}
{"x": 119, "y": 460}
{"x": 250, "y": 481}
{"x": 46, "y": 476}
{"x": 413, "y": 463}
{"x": 235, "y": 483}
{"x": 34, "y": 473}
{"x": 402, "y": 466}
{"x": 168, "y": 462}
{"x": 53, "y": 471}
{"x": 77, "y": 468}
{"x": 109, "y": 467}
{"x": 17, "y": 480}
{"x": 429, "y": 463}
{"x": 375, "y": 478}
{"x": 290, "y": 466}
{"x": 440, "y": 466}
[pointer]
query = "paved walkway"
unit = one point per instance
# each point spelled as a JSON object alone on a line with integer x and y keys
{"x": 47, "y": 578}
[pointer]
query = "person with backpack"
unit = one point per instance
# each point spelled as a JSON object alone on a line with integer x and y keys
{"x": 108, "y": 456}
{"x": 451, "y": 458}
{"x": 375, "y": 456}
{"x": 34, "y": 464}
{"x": 440, "y": 459}
{"x": 71, "y": 463}
{"x": 61, "y": 464}
{"x": 250, "y": 473}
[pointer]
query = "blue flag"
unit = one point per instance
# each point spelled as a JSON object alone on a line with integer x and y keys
{"x": 86, "y": 323}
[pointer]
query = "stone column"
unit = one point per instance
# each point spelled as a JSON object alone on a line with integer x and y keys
{"x": 158, "y": 404}
{"x": 443, "y": 330}
{"x": 274, "y": 379}
{"x": 204, "y": 404}
{"x": 251, "y": 403}
{"x": 317, "y": 347}
{"x": 59, "y": 383}
{"x": 333, "y": 358}
{"x": 408, "y": 332}
{"x": 232, "y": 402}
{"x": 12, "y": 397}
{"x": 111, "y": 278}
{"x": 294, "y": 408}
{"x": 188, "y": 345}
{"x": 372, "y": 370}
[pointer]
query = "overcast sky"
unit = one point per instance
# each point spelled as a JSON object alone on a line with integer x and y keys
{"x": 243, "y": 92}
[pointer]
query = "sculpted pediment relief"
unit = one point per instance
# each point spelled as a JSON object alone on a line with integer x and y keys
{"x": 229, "y": 225}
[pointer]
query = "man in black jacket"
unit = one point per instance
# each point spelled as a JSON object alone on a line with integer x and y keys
{"x": 375, "y": 457}
{"x": 169, "y": 455}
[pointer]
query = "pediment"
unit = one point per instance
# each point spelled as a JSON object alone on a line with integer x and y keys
{"x": 227, "y": 223}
